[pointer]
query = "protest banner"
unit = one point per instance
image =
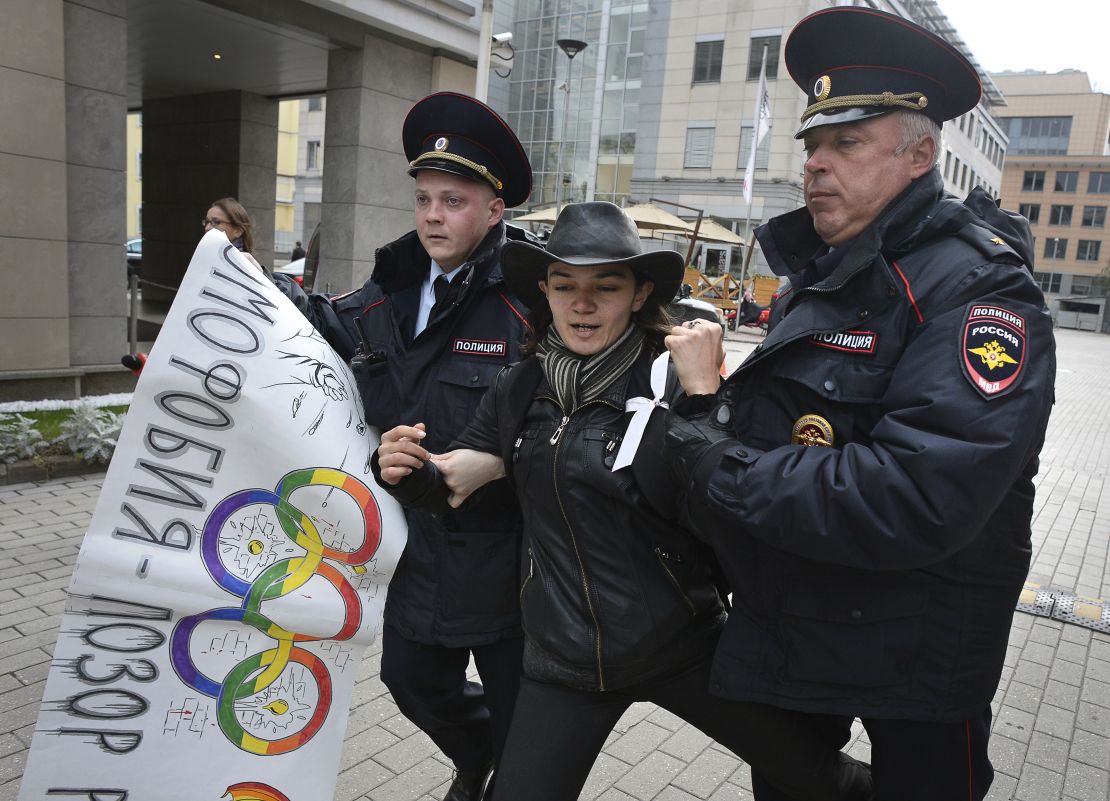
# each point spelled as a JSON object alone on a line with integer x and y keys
{"x": 234, "y": 570}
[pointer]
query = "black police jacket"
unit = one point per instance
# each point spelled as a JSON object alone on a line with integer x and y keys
{"x": 456, "y": 582}
{"x": 871, "y": 502}
{"x": 615, "y": 592}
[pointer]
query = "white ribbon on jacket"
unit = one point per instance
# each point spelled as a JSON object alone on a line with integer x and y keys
{"x": 641, "y": 409}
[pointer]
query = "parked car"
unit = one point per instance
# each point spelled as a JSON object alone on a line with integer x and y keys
{"x": 294, "y": 269}
{"x": 134, "y": 253}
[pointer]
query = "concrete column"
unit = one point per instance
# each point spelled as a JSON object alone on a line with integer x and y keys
{"x": 96, "y": 169}
{"x": 34, "y": 303}
{"x": 198, "y": 149}
{"x": 367, "y": 193}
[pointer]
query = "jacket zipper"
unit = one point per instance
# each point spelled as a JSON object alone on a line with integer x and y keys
{"x": 559, "y": 431}
{"x": 662, "y": 556}
{"x": 528, "y": 578}
{"x": 555, "y": 440}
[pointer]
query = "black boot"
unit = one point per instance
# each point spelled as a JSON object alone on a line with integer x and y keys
{"x": 469, "y": 784}
{"x": 488, "y": 794}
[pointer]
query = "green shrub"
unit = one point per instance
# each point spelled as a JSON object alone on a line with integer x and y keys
{"x": 91, "y": 432}
{"x": 19, "y": 438}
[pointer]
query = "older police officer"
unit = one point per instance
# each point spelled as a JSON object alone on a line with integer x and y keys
{"x": 866, "y": 475}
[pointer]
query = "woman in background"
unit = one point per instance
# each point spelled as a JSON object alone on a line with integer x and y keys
{"x": 228, "y": 215}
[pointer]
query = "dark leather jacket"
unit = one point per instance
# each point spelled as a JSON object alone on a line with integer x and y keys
{"x": 614, "y": 592}
{"x": 877, "y": 576}
{"x": 456, "y": 583}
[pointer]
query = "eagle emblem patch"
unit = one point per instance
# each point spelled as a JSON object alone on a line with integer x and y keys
{"x": 993, "y": 351}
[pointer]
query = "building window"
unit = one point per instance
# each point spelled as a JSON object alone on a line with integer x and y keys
{"x": 315, "y": 103}
{"x": 947, "y": 164}
{"x": 699, "y": 146}
{"x": 1030, "y": 211}
{"x": 1055, "y": 248}
{"x": 755, "y": 56}
{"x": 1081, "y": 285}
{"x": 139, "y": 166}
{"x": 762, "y": 153}
{"x": 1099, "y": 183}
{"x": 1066, "y": 181}
{"x": 312, "y": 155}
{"x": 1059, "y": 215}
{"x": 1088, "y": 250}
{"x": 1048, "y": 282}
{"x": 707, "y": 60}
{"x": 1094, "y": 217}
{"x": 1038, "y": 136}
{"x": 1033, "y": 181}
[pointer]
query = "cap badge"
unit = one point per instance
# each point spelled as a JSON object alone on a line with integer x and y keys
{"x": 822, "y": 88}
{"x": 441, "y": 143}
{"x": 812, "y": 429}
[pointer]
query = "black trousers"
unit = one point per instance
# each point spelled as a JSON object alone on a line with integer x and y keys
{"x": 917, "y": 761}
{"x": 468, "y": 721}
{"x": 558, "y": 732}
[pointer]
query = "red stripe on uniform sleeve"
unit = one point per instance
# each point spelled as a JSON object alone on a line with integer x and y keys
{"x": 508, "y": 303}
{"x": 909, "y": 292}
{"x": 967, "y": 728}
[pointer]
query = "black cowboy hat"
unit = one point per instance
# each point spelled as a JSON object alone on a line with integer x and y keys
{"x": 458, "y": 134}
{"x": 585, "y": 235}
{"x": 854, "y": 63}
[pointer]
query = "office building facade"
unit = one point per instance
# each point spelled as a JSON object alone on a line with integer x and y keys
{"x": 1058, "y": 176}
{"x": 661, "y": 102}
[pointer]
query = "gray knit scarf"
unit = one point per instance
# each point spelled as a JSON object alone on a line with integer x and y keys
{"x": 577, "y": 379}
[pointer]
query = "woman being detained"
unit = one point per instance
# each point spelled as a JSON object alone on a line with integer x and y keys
{"x": 618, "y": 601}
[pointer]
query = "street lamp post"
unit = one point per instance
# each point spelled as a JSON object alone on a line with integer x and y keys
{"x": 572, "y": 47}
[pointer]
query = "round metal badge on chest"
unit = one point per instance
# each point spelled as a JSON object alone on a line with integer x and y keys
{"x": 812, "y": 429}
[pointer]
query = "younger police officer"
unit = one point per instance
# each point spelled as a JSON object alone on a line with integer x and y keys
{"x": 866, "y": 475}
{"x": 426, "y": 335}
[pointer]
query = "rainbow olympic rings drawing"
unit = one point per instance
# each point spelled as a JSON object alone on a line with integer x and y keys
{"x": 256, "y": 673}
{"x": 254, "y": 791}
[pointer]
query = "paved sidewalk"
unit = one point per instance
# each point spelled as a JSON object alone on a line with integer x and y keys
{"x": 1052, "y": 712}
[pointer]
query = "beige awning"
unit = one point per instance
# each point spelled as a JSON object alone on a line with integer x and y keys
{"x": 711, "y": 231}
{"x": 547, "y": 215}
{"x": 647, "y": 215}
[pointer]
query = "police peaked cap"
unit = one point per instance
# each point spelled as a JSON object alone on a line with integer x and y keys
{"x": 854, "y": 63}
{"x": 458, "y": 134}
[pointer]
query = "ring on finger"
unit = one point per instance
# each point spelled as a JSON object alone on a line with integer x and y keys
{"x": 691, "y": 323}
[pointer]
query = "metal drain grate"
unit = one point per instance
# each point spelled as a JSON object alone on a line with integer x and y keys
{"x": 1065, "y": 606}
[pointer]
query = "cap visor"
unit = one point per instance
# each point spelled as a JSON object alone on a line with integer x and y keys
{"x": 841, "y": 117}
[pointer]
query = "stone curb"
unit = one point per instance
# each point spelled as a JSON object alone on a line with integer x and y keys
{"x": 47, "y": 468}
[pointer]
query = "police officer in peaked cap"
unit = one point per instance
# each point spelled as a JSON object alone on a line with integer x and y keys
{"x": 866, "y": 475}
{"x": 425, "y": 336}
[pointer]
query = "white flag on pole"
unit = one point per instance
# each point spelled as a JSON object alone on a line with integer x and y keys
{"x": 760, "y": 126}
